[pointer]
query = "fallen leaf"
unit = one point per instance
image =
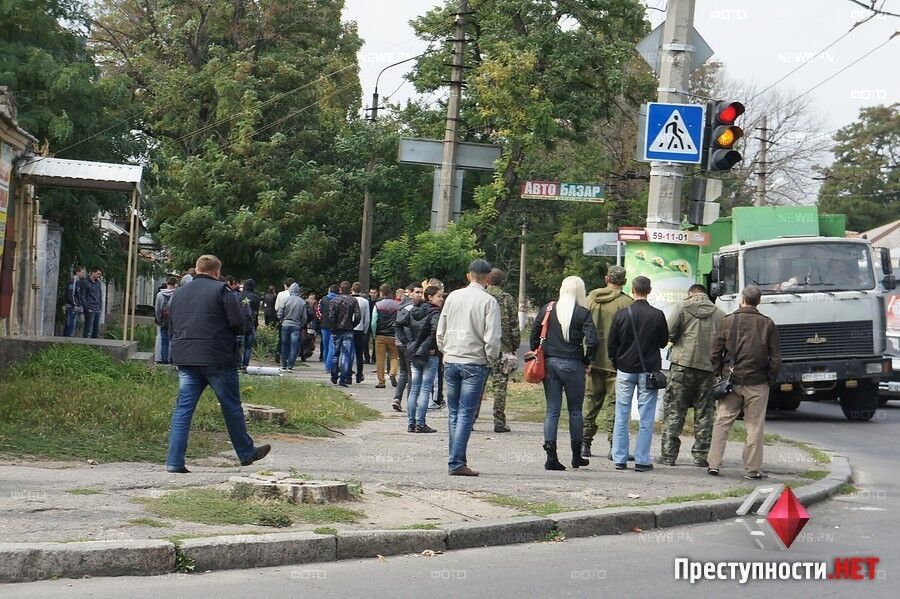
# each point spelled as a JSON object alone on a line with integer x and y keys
{"x": 92, "y": 462}
{"x": 636, "y": 529}
{"x": 633, "y": 496}
{"x": 428, "y": 553}
{"x": 381, "y": 558}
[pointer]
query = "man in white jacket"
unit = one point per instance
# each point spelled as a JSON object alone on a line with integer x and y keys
{"x": 468, "y": 336}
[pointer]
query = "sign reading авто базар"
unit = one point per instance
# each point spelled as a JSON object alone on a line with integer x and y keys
{"x": 554, "y": 190}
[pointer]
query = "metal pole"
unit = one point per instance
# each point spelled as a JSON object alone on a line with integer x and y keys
{"x": 448, "y": 163}
{"x": 763, "y": 165}
{"x": 522, "y": 278}
{"x": 618, "y": 253}
{"x": 137, "y": 246}
{"x": 365, "y": 242}
{"x": 676, "y": 56}
{"x": 126, "y": 300}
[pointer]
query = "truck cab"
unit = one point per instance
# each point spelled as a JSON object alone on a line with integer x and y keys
{"x": 826, "y": 296}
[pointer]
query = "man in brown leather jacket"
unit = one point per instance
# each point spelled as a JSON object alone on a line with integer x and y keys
{"x": 749, "y": 340}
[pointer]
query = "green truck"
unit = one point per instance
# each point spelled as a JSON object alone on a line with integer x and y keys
{"x": 826, "y": 293}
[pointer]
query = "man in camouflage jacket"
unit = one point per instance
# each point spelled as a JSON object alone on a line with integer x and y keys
{"x": 503, "y": 366}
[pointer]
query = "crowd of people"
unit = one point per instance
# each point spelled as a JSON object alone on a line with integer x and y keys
{"x": 601, "y": 349}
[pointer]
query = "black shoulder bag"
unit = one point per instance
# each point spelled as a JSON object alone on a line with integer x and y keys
{"x": 723, "y": 386}
{"x": 652, "y": 380}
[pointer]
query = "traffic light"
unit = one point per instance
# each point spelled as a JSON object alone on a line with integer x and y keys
{"x": 721, "y": 135}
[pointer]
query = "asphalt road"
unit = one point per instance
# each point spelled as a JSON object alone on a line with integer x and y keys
{"x": 633, "y": 565}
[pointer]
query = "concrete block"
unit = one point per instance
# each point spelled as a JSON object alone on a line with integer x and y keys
{"x": 497, "y": 532}
{"x": 370, "y": 543}
{"x": 724, "y": 509}
{"x": 679, "y": 514}
{"x": 19, "y": 349}
{"x": 259, "y": 551}
{"x": 840, "y": 469}
{"x": 606, "y": 521}
{"x": 25, "y": 562}
{"x": 810, "y": 494}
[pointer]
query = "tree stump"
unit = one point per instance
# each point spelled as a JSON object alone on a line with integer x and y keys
{"x": 259, "y": 413}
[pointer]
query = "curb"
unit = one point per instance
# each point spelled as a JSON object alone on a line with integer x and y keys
{"x": 27, "y": 562}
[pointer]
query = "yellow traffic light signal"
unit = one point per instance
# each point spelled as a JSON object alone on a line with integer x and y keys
{"x": 722, "y": 135}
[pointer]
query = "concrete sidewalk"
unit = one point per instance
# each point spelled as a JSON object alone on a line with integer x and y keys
{"x": 403, "y": 476}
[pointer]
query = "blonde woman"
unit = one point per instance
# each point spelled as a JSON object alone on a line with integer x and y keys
{"x": 569, "y": 349}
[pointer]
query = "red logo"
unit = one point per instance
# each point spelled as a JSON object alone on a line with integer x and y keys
{"x": 781, "y": 515}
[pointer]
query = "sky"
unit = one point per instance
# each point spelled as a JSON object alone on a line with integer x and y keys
{"x": 758, "y": 41}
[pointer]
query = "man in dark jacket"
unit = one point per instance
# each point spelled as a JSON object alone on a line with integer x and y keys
{"x": 634, "y": 356}
{"x": 383, "y": 319}
{"x": 72, "y": 305}
{"x": 402, "y": 337}
{"x": 323, "y": 315}
{"x": 343, "y": 315}
{"x": 206, "y": 316}
{"x": 250, "y": 299}
{"x": 749, "y": 341}
{"x": 92, "y": 302}
{"x": 163, "y": 320}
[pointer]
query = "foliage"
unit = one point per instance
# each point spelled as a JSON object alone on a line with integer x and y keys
{"x": 864, "y": 182}
{"x": 144, "y": 334}
{"x": 77, "y": 402}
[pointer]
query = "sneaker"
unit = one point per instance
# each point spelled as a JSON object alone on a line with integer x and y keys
{"x": 663, "y": 461}
{"x": 181, "y": 470}
{"x": 343, "y": 385}
{"x": 396, "y": 405}
{"x": 411, "y": 428}
{"x": 501, "y": 428}
{"x": 643, "y": 467}
{"x": 756, "y": 475}
{"x": 712, "y": 471}
{"x": 700, "y": 463}
{"x": 435, "y": 406}
{"x": 464, "y": 471}
{"x": 261, "y": 452}
{"x": 621, "y": 466}
{"x": 379, "y": 386}
{"x": 393, "y": 380}
{"x": 424, "y": 428}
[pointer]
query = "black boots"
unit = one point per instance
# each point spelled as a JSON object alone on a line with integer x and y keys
{"x": 552, "y": 459}
{"x": 585, "y": 449}
{"x": 577, "y": 460}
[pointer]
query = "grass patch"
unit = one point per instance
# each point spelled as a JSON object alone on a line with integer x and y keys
{"x": 389, "y": 493}
{"x": 735, "y": 492}
{"x": 325, "y": 530}
{"x": 420, "y": 526}
{"x": 814, "y": 474}
{"x": 534, "y": 508}
{"x": 76, "y": 402}
{"x": 846, "y": 489}
{"x": 144, "y": 334}
{"x": 210, "y": 506}
{"x": 84, "y": 492}
{"x": 151, "y": 522}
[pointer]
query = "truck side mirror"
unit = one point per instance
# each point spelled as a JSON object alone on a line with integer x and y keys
{"x": 889, "y": 282}
{"x": 716, "y": 289}
{"x": 886, "y": 266}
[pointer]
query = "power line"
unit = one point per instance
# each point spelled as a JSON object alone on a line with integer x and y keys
{"x": 875, "y": 11}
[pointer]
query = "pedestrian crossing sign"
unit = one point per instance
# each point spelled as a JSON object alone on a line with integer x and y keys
{"x": 674, "y": 132}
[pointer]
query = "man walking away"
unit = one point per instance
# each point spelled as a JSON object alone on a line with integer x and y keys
{"x": 308, "y": 341}
{"x": 370, "y": 338}
{"x": 603, "y": 303}
{"x": 383, "y": 320}
{"x": 325, "y": 352}
{"x": 468, "y": 336}
{"x": 749, "y": 341}
{"x": 163, "y": 321}
{"x": 206, "y": 317}
{"x": 403, "y": 337}
{"x": 269, "y": 312}
{"x": 250, "y": 299}
{"x": 344, "y": 315}
{"x": 279, "y": 301}
{"x": 92, "y": 302}
{"x": 72, "y": 306}
{"x": 292, "y": 315}
{"x": 359, "y": 331}
{"x": 635, "y": 356}
{"x": 693, "y": 326}
{"x": 510, "y": 337}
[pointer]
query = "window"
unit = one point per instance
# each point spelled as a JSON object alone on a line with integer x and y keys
{"x": 809, "y": 267}
{"x": 728, "y": 273}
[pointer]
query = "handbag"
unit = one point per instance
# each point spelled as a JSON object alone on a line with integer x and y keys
{"x": 652, "y": 380}
{"x": 535, "y": 369}
{"x": 723, "y": 386}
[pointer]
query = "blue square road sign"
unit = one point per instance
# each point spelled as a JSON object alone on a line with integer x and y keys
{"x": 674, "y": 132}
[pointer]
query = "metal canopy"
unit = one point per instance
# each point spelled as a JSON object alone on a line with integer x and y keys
{"x": 81, "y": 174}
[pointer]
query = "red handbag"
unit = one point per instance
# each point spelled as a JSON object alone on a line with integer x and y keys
{"x": 535, "y": 370}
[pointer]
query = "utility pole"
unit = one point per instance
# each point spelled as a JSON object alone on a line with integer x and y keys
{"x": 763, "y": 165}
{"x": 365, "y": 249}
{"x": 522, "y": 278}
{"x": 448, "y": 163}
{"x": 676, "y": 57}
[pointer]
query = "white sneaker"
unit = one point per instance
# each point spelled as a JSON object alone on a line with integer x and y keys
{"x": 436, "y": 406}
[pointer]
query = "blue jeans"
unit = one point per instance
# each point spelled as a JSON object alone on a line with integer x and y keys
{"x": 249, "y": 341}
{"x": 421, "y": 383}
{"x": 91, "y": 324}
{"x": 465, "y": 384}
{"x": 290, "y": 345}
{"x": 568, "y": 375}
{"x": 192, "y": 380}
{"x": 341, "y": 356}
{"x": 625, "y": 385}
{"x": 165, "y": 339}
{"x": 71, "y": 317}
{"x": 327, "y": 350}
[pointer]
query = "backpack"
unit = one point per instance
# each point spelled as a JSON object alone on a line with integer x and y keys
{"x": 164, "y": 320}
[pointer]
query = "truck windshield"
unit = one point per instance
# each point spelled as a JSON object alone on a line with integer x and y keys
{"x": 807, "y": 268}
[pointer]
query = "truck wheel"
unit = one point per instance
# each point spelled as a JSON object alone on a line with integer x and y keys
{"x": 860, "y": 403}
{"x": 790, "y": 402}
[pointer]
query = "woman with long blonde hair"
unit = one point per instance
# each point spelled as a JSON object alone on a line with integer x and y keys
{"x": 569, "y": 349}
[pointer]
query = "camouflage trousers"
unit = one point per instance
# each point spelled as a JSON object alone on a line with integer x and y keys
{"x": 687, "y": 388}
{"x": 498, "y": 383}
{"x": 599, "y": 400}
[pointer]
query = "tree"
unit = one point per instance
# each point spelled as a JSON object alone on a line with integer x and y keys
{"x": 863, "y": 182}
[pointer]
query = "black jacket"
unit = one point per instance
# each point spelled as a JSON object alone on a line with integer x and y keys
{"x": 582, "y": 344}
{"x": 422, "y": 341}
{"x": 653, "y": 335}
{"x": 205, "y": 317}
{"x": 91, "y": 294}
{"x": 402, "y": 331}
{"x": 73, "y": 292}
{"x": 249, "y": 294}
{"x": 343, "y": 313}
{"x": 269, "y": 305}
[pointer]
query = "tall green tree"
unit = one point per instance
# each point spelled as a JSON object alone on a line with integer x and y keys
{"x": 864, "y": 180}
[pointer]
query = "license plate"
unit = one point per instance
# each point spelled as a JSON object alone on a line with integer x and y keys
{"x": 816, "y": 377}
{"x": 893, "y": 387}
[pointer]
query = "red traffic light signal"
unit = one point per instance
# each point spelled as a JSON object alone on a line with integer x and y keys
{"x": 727, "y": 112}
{"x": 722, "y": 134}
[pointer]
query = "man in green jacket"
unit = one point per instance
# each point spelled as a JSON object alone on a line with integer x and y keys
{"x": 502, "y": 367}
{"x": 600, "y": 392}
{"x": 693, "y": 326}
